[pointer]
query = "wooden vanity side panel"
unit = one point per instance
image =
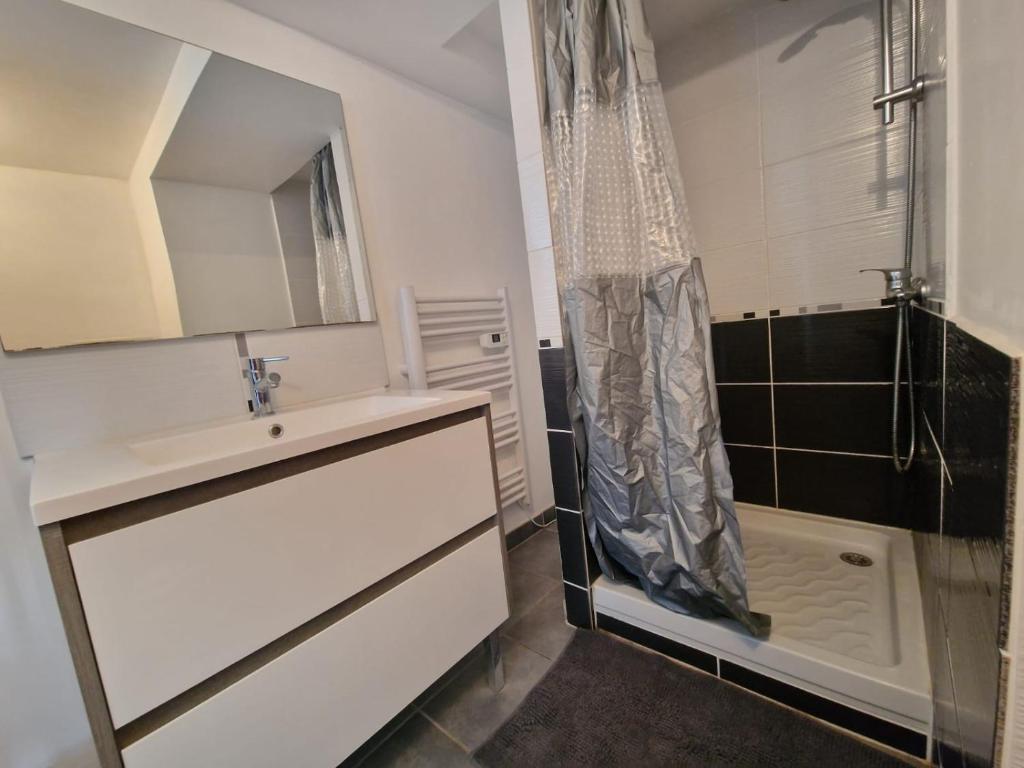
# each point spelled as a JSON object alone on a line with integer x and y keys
{"x": 215, "y": 582}
{"x": 317, "y": 703}
{"x": 77, "y": 633}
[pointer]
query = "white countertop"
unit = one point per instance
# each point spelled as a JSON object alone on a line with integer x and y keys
{"x": 70, "y": 483}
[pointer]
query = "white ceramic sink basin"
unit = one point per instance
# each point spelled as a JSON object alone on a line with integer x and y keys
{"x": 77, "y": 481}
{"x": 284, "y": 426}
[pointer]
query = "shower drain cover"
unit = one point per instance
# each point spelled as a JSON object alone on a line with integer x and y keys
{"x": 856, "y": 558}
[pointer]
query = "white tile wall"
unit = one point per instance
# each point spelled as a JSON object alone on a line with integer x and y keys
{"x": 728, "y": 211}
{"x": 533, "y": 188}
{"x": 522, "y": 81}
{"x": 717, "y": 144}
{"x": 715, "y": 66}
{"x": 821, "y": 266}
{"x": 323, "y": 362}
{"x": 81, "y": 395}
{"x": 930, "y": 245}
{"x": 792, "y": 183}
{"x": 522, "y": 61}
{"x": 737, "y": 277}
{"x": 860, "y": 180}
{"x": 546, "y": 313}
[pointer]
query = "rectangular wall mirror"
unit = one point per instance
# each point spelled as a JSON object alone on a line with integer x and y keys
{"x": 150, "y": 189}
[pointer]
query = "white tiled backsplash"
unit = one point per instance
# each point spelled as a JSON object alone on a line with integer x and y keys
{"x": 793, "y": 184}
{"x": 77, "y": 396}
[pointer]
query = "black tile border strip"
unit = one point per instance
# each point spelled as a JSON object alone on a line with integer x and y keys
{"x": 870, "y": 726}
{"x": 679, "y": 651}
{"x": 809, "y": 309}
{"x": 528, "y": 530}
{"x": 882, "y": 731}
{"x": 1010, "y": 521}
{"x": 578, "y": 614}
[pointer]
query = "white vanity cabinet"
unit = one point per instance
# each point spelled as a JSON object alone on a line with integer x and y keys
{"x": 282, "y": 614}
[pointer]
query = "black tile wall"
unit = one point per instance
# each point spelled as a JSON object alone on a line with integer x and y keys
{"x": 579, "y": 563}
{"x": 928, "y": 334}
{"x": 925, "y": 484}
{"x": 570, "y": 542}
{"x": 746, "y": 413}
{"x": 880, "y": 730}
{"x": 678, "y": 651}
{"x": 977, "y": 434}
{"x": 564, "y": 478}
{"x": 834, "y": 346}
{"x": 577, "y": 606}
{"x": 896, "y": 736}
{"x": 854, "y": 418}
{"x": 805, "y": 399}
{"x": 808, "y": 383}
{"x": 552, "y": 376}
{"x": 753, "y": 474}
{"x": 861, "y": 488}
{"x": 967, "y": 394}
{"x": 741, "y": 351}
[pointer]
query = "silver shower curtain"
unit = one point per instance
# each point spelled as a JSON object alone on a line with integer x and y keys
{"x": 338, "y": 303}
{"x": 658, "y": 494}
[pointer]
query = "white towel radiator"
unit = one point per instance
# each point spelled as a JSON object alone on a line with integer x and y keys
{"x": 465, "y": 342}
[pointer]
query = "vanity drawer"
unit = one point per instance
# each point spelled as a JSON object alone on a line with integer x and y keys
{"x": 316, "y": 704}
{"x": 173, "y": 600}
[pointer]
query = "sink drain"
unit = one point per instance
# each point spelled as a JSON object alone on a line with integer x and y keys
{"x": 856, "y": 558}
{"x": 275, "y": 431}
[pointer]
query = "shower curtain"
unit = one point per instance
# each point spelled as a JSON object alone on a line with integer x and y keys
{"x": 335, "y": 283}
{"x": 657, "y": 490}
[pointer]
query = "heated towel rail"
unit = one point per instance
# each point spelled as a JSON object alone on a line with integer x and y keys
{"x": 465, "y": 342}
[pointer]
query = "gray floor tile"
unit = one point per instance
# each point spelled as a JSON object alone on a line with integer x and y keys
{"x": 383, "y": 735}
{"x": 473, "y": 657}
{"x": 543, "y": 628}
{"x": 528, "y": 589}
{"x": 538, "y": 554}
{"x": 470, "y": 711}
{"x": 418, "y": 744}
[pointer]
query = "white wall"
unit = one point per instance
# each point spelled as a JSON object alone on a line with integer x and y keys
{"x": 988, "y": 151}
{"x": 439, "y": 210}
{"x": 523, "y": 64}
{"x": 42, "y": 722}
{"x": 70, "y": 245}
{"x": 226, "y": 257}
{"x": 792, "y": 182}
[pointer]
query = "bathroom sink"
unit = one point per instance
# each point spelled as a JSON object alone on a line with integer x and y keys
{"x": 80, "y": 480}
{"x": 286, "y": 425}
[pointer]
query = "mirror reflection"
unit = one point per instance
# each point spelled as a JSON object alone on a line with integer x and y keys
{"x": 150, "y": 189}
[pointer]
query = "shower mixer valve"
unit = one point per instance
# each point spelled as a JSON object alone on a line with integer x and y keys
{"x": 900, "y": 284}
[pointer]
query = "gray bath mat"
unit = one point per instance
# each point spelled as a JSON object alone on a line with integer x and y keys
{"x": 606, "y": 703}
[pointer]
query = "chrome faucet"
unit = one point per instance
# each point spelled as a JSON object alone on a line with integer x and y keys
{"x": 900, "y": 284}
{"x": 261, "y": 382}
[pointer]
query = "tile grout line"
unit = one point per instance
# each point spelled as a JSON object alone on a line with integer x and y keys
{"x": 771, "y": 392}
{"x": 451, "y": 737}
{"x": 942, "y": 430}
{"x": 938, "y": 448}
{"x": 803, "y": 384}
{"x": 810, "y": 450}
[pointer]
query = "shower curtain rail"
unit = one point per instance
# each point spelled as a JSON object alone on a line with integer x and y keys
{"x": 433, "y": 324}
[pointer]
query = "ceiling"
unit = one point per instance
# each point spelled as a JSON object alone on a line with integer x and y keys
{"x": 452, "y": 47}
{"x": 247, "y": 128}
{"x": 78, "y": 89}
